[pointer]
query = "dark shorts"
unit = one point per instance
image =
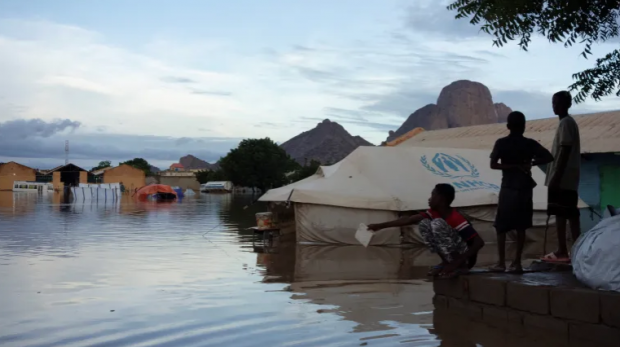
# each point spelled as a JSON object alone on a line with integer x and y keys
{"x": 515, "y": 210}
{"x": 562, "y": 203}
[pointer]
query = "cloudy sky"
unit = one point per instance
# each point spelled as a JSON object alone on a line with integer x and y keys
{"x": 160, "y": 79}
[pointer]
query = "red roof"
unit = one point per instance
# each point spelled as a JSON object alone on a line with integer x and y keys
{"x": 176, "y": 166}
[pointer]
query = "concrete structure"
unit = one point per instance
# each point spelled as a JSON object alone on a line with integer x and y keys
{"x": 12, "y": 171}
{"x": 99, "y": 173}
{"x": 544, "y": 305}
{"x": 69, "y": 174}
{"x": 182, "y": 179}
{"x": 131, "y": 177}
{"x": 600, "y": 146}
{"x": 177, "y": 167}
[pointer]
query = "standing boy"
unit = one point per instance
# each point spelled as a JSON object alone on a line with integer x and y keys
{"x": 515, "y": 155}
{"x": 445, "y": 231}
{"x": 563, "y": 176}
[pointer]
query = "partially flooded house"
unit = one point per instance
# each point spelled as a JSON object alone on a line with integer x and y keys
{"x": 67, "y": 175}
{"x": 11, "y": 172}
{"x": 131, "y": 177}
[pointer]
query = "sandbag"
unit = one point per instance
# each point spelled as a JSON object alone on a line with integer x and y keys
{"x": 595, "y": 256}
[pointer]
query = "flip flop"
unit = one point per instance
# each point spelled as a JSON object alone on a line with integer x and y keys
{"x": 553, "y": 258}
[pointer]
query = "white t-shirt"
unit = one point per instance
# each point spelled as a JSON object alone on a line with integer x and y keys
{"x": 567, "y": 134}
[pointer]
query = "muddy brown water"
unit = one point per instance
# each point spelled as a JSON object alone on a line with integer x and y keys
{"x": 146, "y": 274}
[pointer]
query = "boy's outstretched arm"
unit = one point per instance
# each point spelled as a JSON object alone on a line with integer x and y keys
{"x": 400, "y": 222}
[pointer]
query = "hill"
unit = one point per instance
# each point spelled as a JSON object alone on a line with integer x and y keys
{"x": 190, "y": 162}
{"x": 328, "y": 143}
{"x": 461, "y": 103}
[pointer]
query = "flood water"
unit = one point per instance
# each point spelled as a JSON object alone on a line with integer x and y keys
{"x": 190, "y": 274}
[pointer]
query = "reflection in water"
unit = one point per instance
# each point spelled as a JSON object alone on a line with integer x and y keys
{"x": 190, "y": 274}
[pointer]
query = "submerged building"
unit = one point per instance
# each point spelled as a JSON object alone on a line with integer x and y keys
{"x": 12, "y": 171}
{"x": 131, "y": 177}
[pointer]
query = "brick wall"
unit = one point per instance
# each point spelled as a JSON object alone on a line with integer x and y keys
{"x": 567, "y": 313}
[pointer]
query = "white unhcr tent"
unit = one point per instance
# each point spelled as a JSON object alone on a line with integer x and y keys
{"x": 375, "y": 184}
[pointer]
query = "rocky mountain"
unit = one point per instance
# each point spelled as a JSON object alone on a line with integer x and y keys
{"x": 190, "y": 162}
{"x": 154, "y": 169}
{"x": 502, "y": 112}
{"x": 328, "y": 143}
{"x": 461, "y": 103}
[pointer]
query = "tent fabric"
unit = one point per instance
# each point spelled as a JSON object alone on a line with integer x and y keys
{"x": 595, "y": 256}
{"x": 336, "y": 262}
{"x": 154, "y": 189}
{"x": 401, "y": 178}
{"x": 332, "y": 224}
{"x": 374, "y": 184}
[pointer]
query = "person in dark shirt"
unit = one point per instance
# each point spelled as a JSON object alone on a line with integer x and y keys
{"x": 445, "y": 231}
{"x": 515, "y": 155}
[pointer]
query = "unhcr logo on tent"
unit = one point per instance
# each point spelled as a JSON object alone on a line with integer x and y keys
{"x": 447, "y": 166}
{"x": 457, "y": 167}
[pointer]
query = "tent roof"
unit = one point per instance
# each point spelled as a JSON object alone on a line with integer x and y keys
{"x": 401, "y": 179}
{"x": 600, "y": 133}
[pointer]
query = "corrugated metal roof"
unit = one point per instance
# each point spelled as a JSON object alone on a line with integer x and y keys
{"x": 600, "y": 133}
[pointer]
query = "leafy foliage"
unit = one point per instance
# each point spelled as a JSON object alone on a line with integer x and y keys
{"x": 141, "y": 164}
{"x": 102, "y": 165}
{"x": 205, "y": 176}
{"x": 258, "y": 163}
{"x": 305, "y": 171}
{"x": 569, "y": 22}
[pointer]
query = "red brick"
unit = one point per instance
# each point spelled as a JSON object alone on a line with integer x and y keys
{"x": 576, "y": 304}
{"x": 487, "y": 290}
{"x": 610, "y": 308}
{"x": 454, "y": 288}
{"x": 529, "y": 298}
{"x": 465, "y": 308}
{"x": 600, "y": 334}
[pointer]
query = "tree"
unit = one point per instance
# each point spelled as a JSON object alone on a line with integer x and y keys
{"x": 305, "y": 171}
{"x": 141, "y": 164}
{"x": 570, "y": 22}
{"x": 205, "y": 176}
{"x": 259, "y": 163}
{"x": 102, "y": 165}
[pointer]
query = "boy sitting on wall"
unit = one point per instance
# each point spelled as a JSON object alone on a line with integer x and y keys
{"x": 445, "y": 231}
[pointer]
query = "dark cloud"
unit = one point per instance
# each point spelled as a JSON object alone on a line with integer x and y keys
{"x": 45, "y": 144}
{"x": 183, "y": 141}
{"x": 27, "y": 128}
{"x": 177, "y": 79}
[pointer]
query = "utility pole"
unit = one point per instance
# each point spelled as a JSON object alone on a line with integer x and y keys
{"x": 66, "y": 152}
